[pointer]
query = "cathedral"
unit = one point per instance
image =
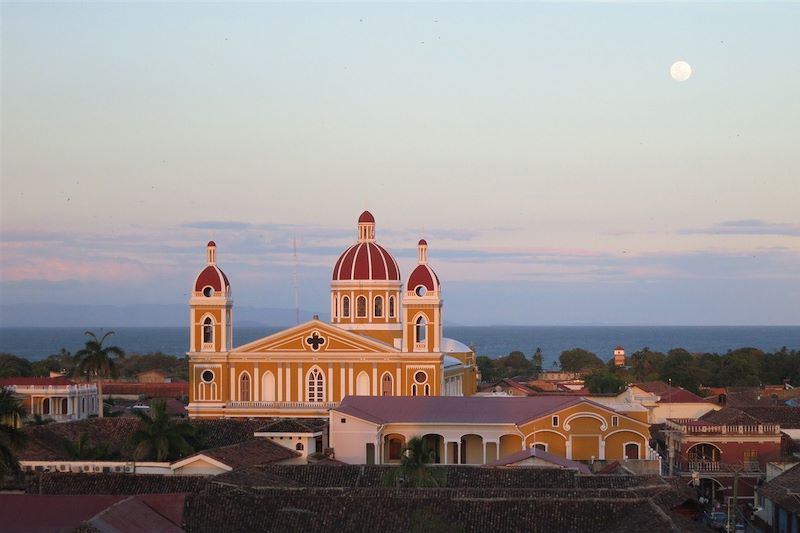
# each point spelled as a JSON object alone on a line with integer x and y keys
{"x": 384, "y": 339}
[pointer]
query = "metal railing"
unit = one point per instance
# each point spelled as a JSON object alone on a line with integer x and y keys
{"x": 281, "y": 405}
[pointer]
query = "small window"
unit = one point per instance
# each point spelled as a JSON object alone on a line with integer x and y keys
{"x": 343, "y": 421}
{"x": 361, "y": 306}
{"x": 391, "y": 306}
{"x": 615, "y": 421}
{"x": 299, "y": 447}
{"x": 414, "y": 389}
{"x": 207, "y": 376}
{"x": 378, "y": 306}
{"x": 541, "y": 446}
{"x": 554, "y": 421}
{"x": 420, "y": 330}
{"x": 427, "y": 390}
{"x": 346, "y": 307}
{"x": 420, "y": 377}
{"x": 420, "y": 290}
{"x": 208, "y": 330}
{"x": 208, "y": 292}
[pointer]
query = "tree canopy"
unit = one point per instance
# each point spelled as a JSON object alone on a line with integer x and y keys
{"x": 11, "y": 438}
{"x": 160, "y": 437}
{"x": 578, "y": 359}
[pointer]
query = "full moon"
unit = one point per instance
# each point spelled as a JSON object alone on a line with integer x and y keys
{"x": 680, "y": 71}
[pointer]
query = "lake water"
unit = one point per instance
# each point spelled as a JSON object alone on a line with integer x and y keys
{"x": 38, "y": 343}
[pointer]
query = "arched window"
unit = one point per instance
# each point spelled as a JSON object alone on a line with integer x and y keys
{"x": 46, "y": 406}
{"x": 208, "y": 330}
{"x": 268, "y": 387}
{"x": 391, "y": 306}
{"x": 361, "y": 306}
{"x": 362, "y": 384}
{"x": 378, "y": 306}
{"x": 395, "y": 449}
{"x": 299, "y": 447}
{"x": 316, "y": 385}
{"x": 346, "y": 307}
{"x": 420, "y": 330}
{"x": 541, "y": 446}
{"x": 244, "y": 387}
{"x": 386, "y": 385}
{"x": 427, "y": 390}
{"x": 414, "y": 389}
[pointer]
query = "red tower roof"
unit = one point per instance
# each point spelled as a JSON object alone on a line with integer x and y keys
{"x": 425, "y": 276}
{"x": 366, "y": 261}
{"x": 422, "y": 242}
{"x": 366, "y": 218}
{"x": 213, "y": 277}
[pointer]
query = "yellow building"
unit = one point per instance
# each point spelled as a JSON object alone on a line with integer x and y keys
{"x": 482, "y": 429}
{"x": 382, "y": 341}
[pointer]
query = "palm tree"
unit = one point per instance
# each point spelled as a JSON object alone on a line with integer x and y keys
{"x": 80, "y": 448}
{"x": 160, "y": 436}
{"x": 414, "y": 462}
{"x": 93, "y": 361}
{"x": 11, "y": 411}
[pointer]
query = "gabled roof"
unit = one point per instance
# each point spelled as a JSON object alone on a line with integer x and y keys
{"x": 254, "y": 452}
{"x": 453, "y": 409}
{"x": 544, "y": 456}
{"x": 669, "y": 394}
{"x": 784, "y": 488}
{"x": 728, "y": 416}
{"x": 516, "y": 385}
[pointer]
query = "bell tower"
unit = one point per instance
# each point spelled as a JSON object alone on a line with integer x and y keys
{"x": 422, "y": 307}
{"x": 210, "y": 308}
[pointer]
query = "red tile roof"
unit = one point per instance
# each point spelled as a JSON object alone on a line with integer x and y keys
{"x": 456, "y": 410}
{"x": 44, "y": 512}
{"x": 543, "y": 455}
{"x": 146, "y": 513}
{"x": 39, "y": 382}
{"x": 366, "y": 261}
{"x": 669, "y": 394}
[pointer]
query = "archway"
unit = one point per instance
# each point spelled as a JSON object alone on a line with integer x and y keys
{"x": 509, "y": 445}
{"x": 472, "y": 449}
{"x": 393, "y": 447}
{"x": 435, "y": 443}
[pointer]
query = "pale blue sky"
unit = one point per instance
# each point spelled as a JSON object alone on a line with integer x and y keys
{"x": 557, "y": 171}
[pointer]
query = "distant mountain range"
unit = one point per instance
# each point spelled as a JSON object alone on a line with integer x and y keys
{"x": 139, "y": 315}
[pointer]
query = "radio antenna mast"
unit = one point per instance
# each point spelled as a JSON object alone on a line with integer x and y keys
{"x": 294, "y": 280}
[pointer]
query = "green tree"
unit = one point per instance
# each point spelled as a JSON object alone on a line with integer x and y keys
{"x": 81, "y": 448}
{"x": 161, "y": 437}
{"x": 62, "y": 362}
{"x": 486, "y": 368}
{"x": 11, "y": 438}
{"x": 646, "y": 365}
{"x": 603, "y": 382}
{"x": 513, "y": 364}
{"x": 684, "y": 370}
{"x": 538, "y": 361}
{"x": 578, "y": 360}
{"x": 742, "y": 367}
{"x": 94, "y": 362}
{"x": 12, "y": 366}
{"x": 414, "y": 464}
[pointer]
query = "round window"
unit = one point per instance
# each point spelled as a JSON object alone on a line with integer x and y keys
{"x": 421, "y": 290}
{"x": 420, "y": 377}
{"x": 208, "y": 292}
{"x": 207, "y": 376}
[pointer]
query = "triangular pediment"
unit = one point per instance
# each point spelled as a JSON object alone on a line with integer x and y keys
{"x": 315, "y": 336}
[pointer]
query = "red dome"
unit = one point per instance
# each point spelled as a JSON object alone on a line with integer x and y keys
{"x": 366, "y": 261}
{"x": 213, "y": 277}
{"x": 366, "y": 218}
{"x": 212, "y": 243}
{"x": 422, "y": 242}
{"x": 425, "y": 276}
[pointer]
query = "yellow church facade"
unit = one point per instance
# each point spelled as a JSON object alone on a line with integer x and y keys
{"x": 382, "y": 341}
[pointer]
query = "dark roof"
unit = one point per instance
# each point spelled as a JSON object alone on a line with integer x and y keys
{"x": 294, "y": 425}
{"x": 784, "y": 489}
{"x": 43, "y": 512}
{"x": 453, "y": 409}
{"x": 113, "y": 484}
{"x": 46, "y": 443}
{"x": 669, "y": 394}
{"x": 162, "y": 513}
{"x": 253, "y": 452}
{"x": 786, "y": 416}
{"x": 543, "y": 455}
{"x": 728, "y": 416}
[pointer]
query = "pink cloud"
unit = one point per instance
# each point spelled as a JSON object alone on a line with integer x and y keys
{"x": 41, "y": 269}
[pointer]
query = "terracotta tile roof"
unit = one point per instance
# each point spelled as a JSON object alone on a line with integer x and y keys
{"x": 24, "y": 512}
{"x": 253, "y": 452}
{"x": 294, "y": 425}
{"x": 143, "y": 514}
{"x": 784, "y": 488}
{"x": 113, "y": 484}
{"x": 544, "y": 456}
{"x": 669, "y": 394}
{"x": 728, "y": 416}
{"x": 452, "y": 409}
{"x": 41, "y": 382}
{"x": 787, "y": 417}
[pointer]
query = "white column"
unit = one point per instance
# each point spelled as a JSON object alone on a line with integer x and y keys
{"x": 233, "y": 395}
{"x": 603, "y": 449}
{"x": 280, "y": 382}
{"x": 343, "y": 391}
{"x": 288, "y": 395}
{"x": 329, "y": 396}
{"x": 300, "y": 388}
{"x": 374, "y": 379}
{"x": 350, "y": 388}
{"x": 256, "y": 383}
{"x": 398, "y": 391}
